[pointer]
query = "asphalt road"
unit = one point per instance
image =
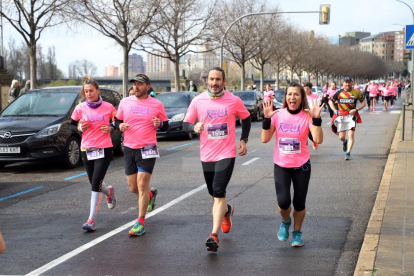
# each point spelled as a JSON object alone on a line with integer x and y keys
{"x": 43, "y": 207}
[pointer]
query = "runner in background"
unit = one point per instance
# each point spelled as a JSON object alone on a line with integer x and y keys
{"x": 373, "y": 92}
{"x": 331, "y": 92}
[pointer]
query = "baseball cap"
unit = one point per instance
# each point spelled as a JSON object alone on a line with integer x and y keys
{"x": 140, "y": 78}
{"x": 347, "y": 79}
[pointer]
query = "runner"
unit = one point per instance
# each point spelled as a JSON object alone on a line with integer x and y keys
{"x": 312, "y": 99}
{"x": 93, "y": 119}
{"x": 366, "y": 95}
{"x": 347, "y": 114}
{"x": 331, "y": 92}
{"x": 216, "y": 112}
{"x": 292, "y": 124}
{"x": 268, "y": 94}
{"x": 325, "y": 96}
{"x": 373, "y": 91}
{"x": 139, "y": 118}
{"x": 392, "y": 93}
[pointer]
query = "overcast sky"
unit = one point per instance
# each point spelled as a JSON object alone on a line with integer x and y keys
{"x": 346, "y": 16}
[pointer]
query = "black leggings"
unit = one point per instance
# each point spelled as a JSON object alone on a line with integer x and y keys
{"x": 300, "y": 178}
{"x": 96, "y": 169}
{"x": 217, "y": 176}
{"x": 368, "y": 99}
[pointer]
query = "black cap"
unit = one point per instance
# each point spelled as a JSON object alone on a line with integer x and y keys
{"x": 348, "y": 79}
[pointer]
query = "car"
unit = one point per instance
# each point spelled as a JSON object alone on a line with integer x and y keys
{"x": 176, "y": 105}
{"x": 35, "y": 126}
{"x": 253, "y": 101}
{"x": 280, "y": 95}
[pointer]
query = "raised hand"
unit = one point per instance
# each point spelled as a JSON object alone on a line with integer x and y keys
{"x": 268, "y": 109}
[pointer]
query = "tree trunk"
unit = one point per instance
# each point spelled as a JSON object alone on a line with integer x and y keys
{"x": 277, "y": 78}
{"x": 125, "y": 73}
{"x": 33, "y": 66}
{"x": 177, "y": 73}
{"x": 262, "y": 78}
{"x": 243, "y": 75}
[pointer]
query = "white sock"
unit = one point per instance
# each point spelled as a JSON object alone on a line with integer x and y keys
{"x": 105, "y": 189}
{"x": 96, "y": 198}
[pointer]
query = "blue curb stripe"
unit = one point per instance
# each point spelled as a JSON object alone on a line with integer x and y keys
{"x": 21, "y": 193}
{"x": 183, "y": 145}
{"x": 75, "y": 176}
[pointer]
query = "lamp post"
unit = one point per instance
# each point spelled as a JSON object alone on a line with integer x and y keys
{"x": 325, "y": 10}
{"x": 412, "y": 51}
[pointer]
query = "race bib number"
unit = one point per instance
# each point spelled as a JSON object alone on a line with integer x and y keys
{"x": 289, "y": 145}
{"x": 217, "y": 131}
{"x": 150, "y": 151}
{"x": 93, "y": 154}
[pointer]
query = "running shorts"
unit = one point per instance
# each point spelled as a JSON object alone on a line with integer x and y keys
{"x": 134, "y": 162}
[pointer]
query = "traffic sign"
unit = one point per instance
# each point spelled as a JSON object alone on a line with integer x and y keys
{"x": 409, "y": 37}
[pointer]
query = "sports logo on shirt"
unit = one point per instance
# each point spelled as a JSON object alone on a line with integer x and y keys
{"x": 217, "y": 113}
{"x": 137, "y": 110}
{"x": 294, "y": 128}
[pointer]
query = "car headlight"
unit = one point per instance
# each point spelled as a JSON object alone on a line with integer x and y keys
{"x": 177, "y": 118}
{"x": 48, "y": 131}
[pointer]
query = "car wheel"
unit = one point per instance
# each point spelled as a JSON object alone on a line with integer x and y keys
{"x": 2, "y": 164}
{"x": 119, "y": 150}
{"x": 72, "y": 156}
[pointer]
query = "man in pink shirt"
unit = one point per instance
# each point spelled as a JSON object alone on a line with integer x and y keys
{"x": 139, "y": 117}
{"x": 216, "y": 111}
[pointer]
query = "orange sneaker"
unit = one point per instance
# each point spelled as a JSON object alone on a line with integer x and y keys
{"x": 226, "y": 223}
{"x": 212, "y": 242}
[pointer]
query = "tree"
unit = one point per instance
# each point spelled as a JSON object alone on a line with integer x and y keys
{"x": 30, "y": 19}
{"x": 179, "y": 28}
{"x": 124, "y": 21}
{"x": 80, "y": 68}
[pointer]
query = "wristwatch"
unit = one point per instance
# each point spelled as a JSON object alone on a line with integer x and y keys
{"x": 244, "y": 139}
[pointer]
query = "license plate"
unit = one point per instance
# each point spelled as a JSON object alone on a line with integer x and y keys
{"x": 10, "y": 150}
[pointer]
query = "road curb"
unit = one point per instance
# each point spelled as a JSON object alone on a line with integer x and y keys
{"x": 368, "y": 253}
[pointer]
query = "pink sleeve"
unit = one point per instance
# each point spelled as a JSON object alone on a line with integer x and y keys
{"x": 119, "y": 113}
{"x": 161, "y": 114}
{"x": 241, "y": 110}
{"x": 76, "y": 116}
{"x": 274, "y": 120}
{"x": 191, "y": 115}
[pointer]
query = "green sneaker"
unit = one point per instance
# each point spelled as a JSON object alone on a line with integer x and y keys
{"x": 137, "y": 229}
{"x": 151, "y": 204}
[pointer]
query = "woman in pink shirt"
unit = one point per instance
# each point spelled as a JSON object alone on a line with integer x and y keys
{"x": 386, "y": 95}
{"x": 268, "y": 94}
{"x": 291, "y": 126}
{"x": 393, "y": 93}
{"x": 373, "y": 91}
{"x": 331, "y": 92}
{"x": 93, "y": 119}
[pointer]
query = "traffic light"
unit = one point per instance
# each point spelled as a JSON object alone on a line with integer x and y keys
{"x": 325, "y": 14}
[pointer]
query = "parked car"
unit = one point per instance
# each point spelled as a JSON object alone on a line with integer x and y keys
{"x": 280, "y": 95}
{"x": 176, "y": 105}
{"x": 35, "y": 126}
{"x": 253, "y": 101}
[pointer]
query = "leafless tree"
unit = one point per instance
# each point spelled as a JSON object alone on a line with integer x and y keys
{"x": 80, "y": 68}
{"x": 30, "y": 19}
{"x": 180, "y": 28}
{"x": 240, "y": 41}
{"x": 124, "y": 21}
{"x": 296, "y": 52}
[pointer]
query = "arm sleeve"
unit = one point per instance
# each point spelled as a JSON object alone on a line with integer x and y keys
{"x": 118, "y": 122}
{"x": 188, "y": 127}
{"x": 246, "y": 125}
{"x": 73, "y": 126}
{"x": 164, "y": 126}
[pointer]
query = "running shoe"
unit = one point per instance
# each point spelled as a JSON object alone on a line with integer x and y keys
{"x": 110, "y": 199}
{"x": 89, "y": 225}
{"x": 345, "y": 145}
{"x": 137, "y": 229}
{"x": 283, "y": 234}
{"x": 297, "y": 238}
{"x": 347, "y": 155}
{"x": 212, "y": 242}
{"x": 151, "y": 204}
{"x": 226, "y": 223}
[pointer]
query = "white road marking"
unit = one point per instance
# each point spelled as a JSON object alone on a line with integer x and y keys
{"x": 250, "y": 161}
{"x": 90, "y": 244}
{"x": 395, "y": 112}
{"x": 248, "y": 152}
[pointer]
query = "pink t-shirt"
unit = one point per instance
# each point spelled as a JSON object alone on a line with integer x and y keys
{"x": 356, "y": 87}
{"x": 385, "y": 91}
{"x": 392, "y": 90}
{"x": 93, "y": 137}
{"x": 138, "y": 114}
{"x": 267, "y": 95}
{"x": 218, "y": 139}
{"x": 311, "y": 97}
{"x": 291, "y": 148}
{"x": 373, "y": 90}
{"x": 331, "y": 92}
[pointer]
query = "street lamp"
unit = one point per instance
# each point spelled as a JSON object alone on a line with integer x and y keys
{"x": 324, "y": 19}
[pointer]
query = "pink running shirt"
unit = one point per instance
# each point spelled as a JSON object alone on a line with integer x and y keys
{"x": 331, "y": 92}
{"x": 93, "y": 137}
{"x": 267, "y": 95}
{"x": 138, "y": 114}
{"x": 392, "y": 90}
{"x": 291, "y": 147}
{"x": 373, "y": 90}
{"x": 218, "y": 139}
{"x": 310, "y": 98}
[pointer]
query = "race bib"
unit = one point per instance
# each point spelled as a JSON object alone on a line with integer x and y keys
{"x": 217, "y": 131}
{"x": 150, "y": 151}
{"x": 289, "y": 145}
{"x": 93, "y": 154}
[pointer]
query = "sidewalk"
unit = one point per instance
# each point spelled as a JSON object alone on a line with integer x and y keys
{"x": 388, "y": 247}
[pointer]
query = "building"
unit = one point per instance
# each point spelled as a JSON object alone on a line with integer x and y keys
{"x": 136, "y": 65}
{"x": 157, "y": 64}
{"x": 352, "y": 38}
{"x": 381, "y": 44}
{"x": 400, "y": 54}
{"x": 111, "y": 71}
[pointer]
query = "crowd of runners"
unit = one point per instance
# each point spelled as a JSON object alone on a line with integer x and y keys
{"x": 213, "y": 115}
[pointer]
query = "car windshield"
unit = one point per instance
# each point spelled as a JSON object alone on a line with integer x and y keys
{"x": 171, "y": 100}
{"x": 279, "y": 95}
{"x": 245, "y": 96}
{"x": 42, "y": 103}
